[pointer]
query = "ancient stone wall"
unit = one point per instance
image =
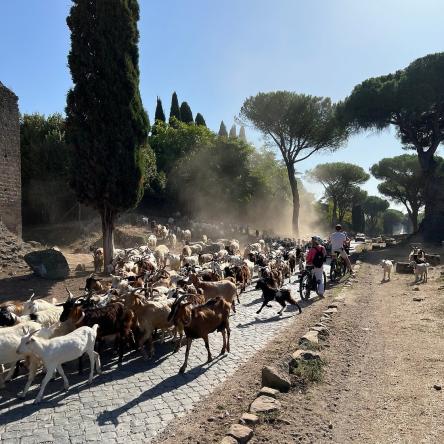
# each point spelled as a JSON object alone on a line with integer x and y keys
{"x": 10, "y": 171}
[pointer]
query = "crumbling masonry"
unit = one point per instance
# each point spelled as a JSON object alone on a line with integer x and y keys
{"x": 10, "y": 170}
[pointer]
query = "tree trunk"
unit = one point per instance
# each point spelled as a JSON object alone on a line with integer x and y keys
{"x": 433, "y": 224}
{"x": 108, "y": 219}
{"x": 295, "y": 193}
{"x": 414, "y": 219}
{"x": 334, "y": 217}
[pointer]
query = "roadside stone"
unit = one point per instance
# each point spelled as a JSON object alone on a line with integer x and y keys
{"x": 249, "y": 418}
{"x": 305, "y": 355}
{"x": 415, "y": 288}
{"x": 437, "y": 387}
{"x": 80, "y": 267}
{"x": 330, "y": 311}
{"x": 309, "y": 339}
{"x": 268, "y": 391}
{"x": 322, "y": 331}
{"x": 275, "y": 378}
{"x": 332, "y": 306}
{"x": 241, "y": 433}
{"x": 228, "y": 440}
{"x": 418, "y": 299}
{"x": 265, "y": 404}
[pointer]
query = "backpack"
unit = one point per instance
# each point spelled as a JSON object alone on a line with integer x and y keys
{"x": 318, "y": 260}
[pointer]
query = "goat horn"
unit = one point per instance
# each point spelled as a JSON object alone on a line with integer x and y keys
{"x": 70, "y": 295}
{"x": 80, "y": 319}
{"x": 30, "y": 299}
{"x": 34, "y": 332}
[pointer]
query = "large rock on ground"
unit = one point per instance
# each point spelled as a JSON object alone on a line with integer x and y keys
{"x": 48, "y": 264}
{"x": 276, "y": 378}
{"x": 241, "y": 433}
{"x": 265, "y": 404}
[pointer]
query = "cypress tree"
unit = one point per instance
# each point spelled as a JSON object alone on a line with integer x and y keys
{"x": 223, "y": 130}
{"x": 242, "y": 134}
{"x": 160, "y": 115}
{"x": 174, "y": 110}
{"x": 233, "y": 134}
{"x": 200, "y": 120}
{"x": 106, "y": 123}
{"x": 186, "y": 114}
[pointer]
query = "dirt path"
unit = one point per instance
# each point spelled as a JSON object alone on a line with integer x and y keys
{"x": 384, "y": 356}
{"x": 388, "y": 392}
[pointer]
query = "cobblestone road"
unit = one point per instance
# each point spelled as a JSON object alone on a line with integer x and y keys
{"x": 138, "y": 400}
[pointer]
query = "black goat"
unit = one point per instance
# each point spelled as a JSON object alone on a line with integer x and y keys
{"x": 272, "y": 294}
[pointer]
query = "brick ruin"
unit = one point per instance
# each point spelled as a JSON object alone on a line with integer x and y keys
{"x": 10, "y": 170}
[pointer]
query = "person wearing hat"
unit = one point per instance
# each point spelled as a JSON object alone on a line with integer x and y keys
{"x": 338, "y": 241}
{"x": 316, "y": 257}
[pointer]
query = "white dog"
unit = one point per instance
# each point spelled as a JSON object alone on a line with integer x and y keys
{"x": 420, "y": 270}
{"x": 387, "y": 266}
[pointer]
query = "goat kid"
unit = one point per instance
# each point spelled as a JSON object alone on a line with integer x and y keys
{"x": 387, "y": 266}
{"x": 54, "y": 352}
{"x": 420, "y": 270}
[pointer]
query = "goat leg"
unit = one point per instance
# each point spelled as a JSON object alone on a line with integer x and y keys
{"x": 80, "y": 365}
{"x": 207, "y": 346}
{"x": 62, "y": 374}
{"x": 224, "y": 341}
{"x": 227, "y": 328}
{"x": 187, "y": 352}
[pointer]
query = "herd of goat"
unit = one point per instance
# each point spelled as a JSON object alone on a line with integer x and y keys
{"x": 151, "y": 291}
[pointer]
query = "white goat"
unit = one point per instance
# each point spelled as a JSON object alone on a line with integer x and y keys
{"x": 420, "y": 270}
{"x": 33, "y": 306}
{"x": 172, "y": 240}
{"x": 174, "y": 261}
{"x": 152, "y": 241}
{"x": 9, "y": 341}
{"x": 186, "y": 235}
{"x": 387, "y": 266}
{"x": 54, "y": 352}
{"x": 45, "y": 318}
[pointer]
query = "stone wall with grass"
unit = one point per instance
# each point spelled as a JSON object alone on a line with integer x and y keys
{"x": 10, "y": 170}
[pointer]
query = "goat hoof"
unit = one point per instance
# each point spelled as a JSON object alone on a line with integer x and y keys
{"x": 182, "y": 370}
{"x": 20, "y": 395}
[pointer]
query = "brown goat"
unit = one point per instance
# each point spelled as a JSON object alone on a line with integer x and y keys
{"x": 200, "y": 321}
{"x": 225, "y": 289}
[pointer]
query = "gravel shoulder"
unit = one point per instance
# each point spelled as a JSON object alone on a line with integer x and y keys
{"x": 384, "y": 356}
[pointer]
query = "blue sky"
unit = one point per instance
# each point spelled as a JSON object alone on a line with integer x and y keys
{"x": 215, "y": 54}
